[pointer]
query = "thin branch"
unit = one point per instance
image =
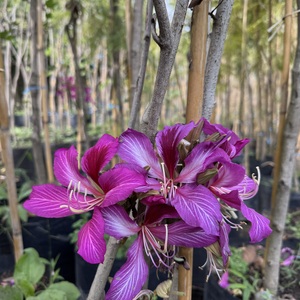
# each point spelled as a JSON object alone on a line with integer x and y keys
{"x": 136, "y": 103}
{"x": 218, "y": 37}
{"x": 97, "y": 291}
{"x": 170, "y": 37}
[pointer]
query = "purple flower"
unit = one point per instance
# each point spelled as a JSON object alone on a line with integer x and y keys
{"x": 233, "y": 145}
{"x": 155, "y": 238}
{"x": 288, "y": 256}
{"x": 224, "y": 281}
{"x": 174, "y": 182}
{"x": 79, "y": 193}
{"x": 233, "y": 187}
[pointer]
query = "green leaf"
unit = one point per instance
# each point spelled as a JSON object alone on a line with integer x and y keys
{"x": 30, "y": 267}
{"x": 3, "y": 191}
{"x": 11, "y": 293}
{"x": 6, "y": 35}
{"x": 68, "y": 288}
{"x": 26, "y": 286}
{"x": 24, "y": 191}
{"x": 22, "y": 213}
{"x": 50, "y": 295}
{"x": 237, "y": 286}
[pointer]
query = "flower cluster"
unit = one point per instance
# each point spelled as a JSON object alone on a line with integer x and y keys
{"x": 177, "y": 192}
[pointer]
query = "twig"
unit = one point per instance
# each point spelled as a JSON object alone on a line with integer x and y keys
{"x": 214, "y": 56}
{"x": 97, "y": 291}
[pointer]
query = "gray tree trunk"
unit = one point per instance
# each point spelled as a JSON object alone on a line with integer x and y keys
{"x": 37, "y": 145}
{"x": 291, "y": 131}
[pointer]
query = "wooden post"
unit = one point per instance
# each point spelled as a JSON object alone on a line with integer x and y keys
{"x": 193, "y": 113}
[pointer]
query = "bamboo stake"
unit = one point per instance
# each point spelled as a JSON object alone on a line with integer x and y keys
{"x": 9, "y": 168}
{"x": 193, "y": 113}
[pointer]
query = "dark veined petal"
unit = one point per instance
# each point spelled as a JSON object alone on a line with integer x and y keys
{"x": 66, "y": 170}
{"x": 128, "y": 281}
{"x": 183, "y": 235}
{"x": 248, "y": 188}
{"x": 91, "y": 243}
{"x": 119, "y": 183}
{"x": 198, "y": 207}
{"x": 200, "y": 158}
{"x": 224, "y": 242}
{"x": 136, "y": 148}
{"x": 167, "y": 141}
{"x": 46, "y": 201}
{"x": 98, "y": 156}
{"x": 117, "y": 222}
{"x": 229, "y": 175}
{"x": 157, "y": 213}
{"x": 260, "y": 228}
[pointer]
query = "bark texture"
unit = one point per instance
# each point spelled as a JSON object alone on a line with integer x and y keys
{"x": 218, "y": 37}
{"x": 37, "y": 145}
{"x": 168, "y": 41}
{"x": 290, "y": 134}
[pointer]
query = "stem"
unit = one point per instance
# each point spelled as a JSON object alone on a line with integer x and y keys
{"x": 97, "y": 291}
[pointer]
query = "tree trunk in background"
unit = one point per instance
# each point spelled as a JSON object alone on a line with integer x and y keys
{"x": 43, "y": 90}
{"x": 75, "y": 8}
{"x": 243, "y": 76}
{"x": 286, "y": 167}
{"x": 136, "y": 47}
{"x": 9, "y": 167}
{"x": 284, "y": 96}
{"x": 116, "y": 93}
{"x": 37, "y": 145}
{"x": 129, "y": 28}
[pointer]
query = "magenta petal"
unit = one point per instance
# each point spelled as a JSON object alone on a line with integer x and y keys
{"x": 167, "y": 141}
{"x": 248, "y": 188}
{"x": 260, "y": 228}
{"x": 119, "y": 183}
{"x": 224, "y": 242}
{"x": 224, "y": 281}
{"x": 46, "y": 201}
{"x": 136, "y": 148}
{"x": 198, "y": 207}
{"x": 91, "y": 243}
{"x": 229, "y": 175}
{"x": 157, "y": 213}
{"x": 198, "y": 161}
{"x": 128, "y": 281}
{"x": 98, "y": 156}
{"x": 117, "y": 222}
{"x": 182, "y": 235}
{"x": 66, "y": 169}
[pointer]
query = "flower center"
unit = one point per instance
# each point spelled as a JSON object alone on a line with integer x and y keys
{"x": 168, "y": 188}
{"x": 79, "y": 201}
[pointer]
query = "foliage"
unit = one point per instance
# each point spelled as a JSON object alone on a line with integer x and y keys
{"x": 23, "y": 191}
{"x": 28, "y": 281}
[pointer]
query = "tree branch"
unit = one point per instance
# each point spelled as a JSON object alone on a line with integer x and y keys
{"x": 97, "y": 291}
{"x": 213, "y": 63}
{"x": 136, "y": 103}
{"x": 170, "y": 37}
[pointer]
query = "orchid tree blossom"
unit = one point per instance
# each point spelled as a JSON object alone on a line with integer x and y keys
{"x": 155, "y": 237}
{"x": 233, "y": 186}
{"x": 175, "y": 180}
{"x": 233, "y": 144}
{"x": 80, "y": 193}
